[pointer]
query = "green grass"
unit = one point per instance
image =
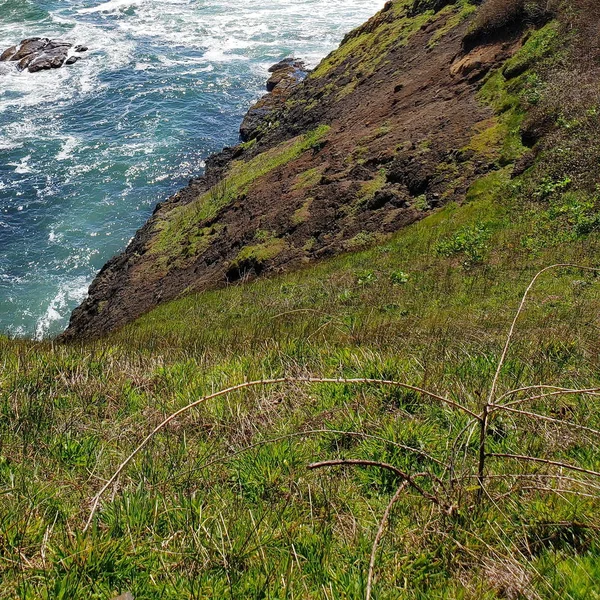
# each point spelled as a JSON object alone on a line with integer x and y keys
{"x": 369, "y": 48}
{"x": 181, "y": 234}
{"x": 259, "y": 253}
{"x": 308, "y": 179}
{"x": 459, "y": 13}
{"x": 221, "y": 504}
{"x": 196, "y": 515}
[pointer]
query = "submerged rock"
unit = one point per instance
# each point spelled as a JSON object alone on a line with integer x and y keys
{"x": 286, "y": 75}
{"x": 41, "y": 54}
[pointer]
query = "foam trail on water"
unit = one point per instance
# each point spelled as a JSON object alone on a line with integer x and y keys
{"x": 110, "y": 6}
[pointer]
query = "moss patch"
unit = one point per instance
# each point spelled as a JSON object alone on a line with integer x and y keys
{"x": 369, "y": 46}
{"x": 308, "y": 179}
{"x": 459, "y": 13}
{"x": 511, "y": 90}
{"x": 488, "y": 138}
{"x": 303, "y": 213}
{"x": 258, "y": 254}
{"x": 181, "y": 227}
{"x": 370, "y": 188}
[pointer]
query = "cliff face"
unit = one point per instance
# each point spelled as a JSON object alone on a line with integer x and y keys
{"x": 385, "y": 130}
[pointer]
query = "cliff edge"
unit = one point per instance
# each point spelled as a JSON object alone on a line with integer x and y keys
{"x": 385, "y": 130}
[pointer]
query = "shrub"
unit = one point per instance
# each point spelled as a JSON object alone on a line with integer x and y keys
{"x": 469, "y": 241}
{"x": 497, "y": 15}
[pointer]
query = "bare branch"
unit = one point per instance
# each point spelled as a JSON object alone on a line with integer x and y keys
{"x": 518, "y": 314}
{"x": 561, "y": 392}
{"x": 378, "y": 537}
{"x": 549, "y": 419}
{"x": 582, "y": 482}
{"x": 372, "y": 463}
{"x": 545, "y": 461}
{"x": 532, "y": 387}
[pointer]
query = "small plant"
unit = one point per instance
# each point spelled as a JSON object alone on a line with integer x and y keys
{"x": 366, "y": 278}
{"x": 421, "y": 203}
{"x": 469, "y": 241}
{"x": 399, "y": 277}
{"x": 263, "y": 235}
{"x": 548, "y": 187}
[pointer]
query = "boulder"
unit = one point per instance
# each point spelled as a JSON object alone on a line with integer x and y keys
{"x": 289, "y": 69}
{"x": 286, "y": 75}
{"x": 41, "y": 54}
{"x": 30, "y": 46}
{"x": 8, "y": 53}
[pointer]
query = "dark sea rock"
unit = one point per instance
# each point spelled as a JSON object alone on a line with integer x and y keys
{"x": 41, "y": 54}
{"x": 286, "y": 75}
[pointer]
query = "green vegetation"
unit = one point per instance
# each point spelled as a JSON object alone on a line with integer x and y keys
{"x": 512, "y": 97}
{"x": 181, "y": 232}
{"x": 308, "y": 179}
{"x": 220, "y": 503}
{"x": 369, "y": 46}
{"x": 370, "y": 188}
{"x": 459, "y": 13}
{"x": 257, "y": 254}
{"x": 471, "y": 242}
{"x": 302, "y": 214}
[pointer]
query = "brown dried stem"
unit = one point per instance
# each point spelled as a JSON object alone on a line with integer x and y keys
{"x": 410, "y": 479}
{"x": 380, "y": 533}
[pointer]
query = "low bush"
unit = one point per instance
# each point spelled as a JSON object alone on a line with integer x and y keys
{"x": 497, "y": 15}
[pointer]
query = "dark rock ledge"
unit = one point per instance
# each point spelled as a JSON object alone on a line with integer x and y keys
{"x": 286, "y": 75}
{"x": 41, "y": 54}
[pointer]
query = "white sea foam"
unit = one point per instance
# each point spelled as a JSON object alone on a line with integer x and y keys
{"x": 22, "y": 167}
{"x": 69, "y": 292}
{"x": 110, "y": 6}
{"x": 66, "y": 152}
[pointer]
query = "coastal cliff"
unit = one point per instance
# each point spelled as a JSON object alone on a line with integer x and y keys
{"x": 415, "y": 417}
{"x": 387, "y": 129}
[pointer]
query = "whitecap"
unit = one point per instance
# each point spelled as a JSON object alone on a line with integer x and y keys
{"x": 69, "y": 145}
{"x": 73, "y": 291}
{"x": 110, "y": 6}
{"x": 23, "y": 166}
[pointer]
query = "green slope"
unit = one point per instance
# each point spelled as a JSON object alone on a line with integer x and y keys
{"x": 220, "y": 503}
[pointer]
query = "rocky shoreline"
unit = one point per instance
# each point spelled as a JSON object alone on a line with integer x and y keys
{"x": 286, "y": 75}
{"x": 42, "y": 54}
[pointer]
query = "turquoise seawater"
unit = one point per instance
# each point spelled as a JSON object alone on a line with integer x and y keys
{"x": 86, "y": 151}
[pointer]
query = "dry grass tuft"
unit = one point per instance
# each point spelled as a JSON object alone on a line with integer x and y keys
{"x": 509, "y": 579}
{"x": 496, "y": 16}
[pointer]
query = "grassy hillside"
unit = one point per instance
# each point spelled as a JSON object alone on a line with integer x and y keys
{"x": 221, "y": 503}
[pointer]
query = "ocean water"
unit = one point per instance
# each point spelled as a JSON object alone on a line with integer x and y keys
{"x": 86, "y": 151}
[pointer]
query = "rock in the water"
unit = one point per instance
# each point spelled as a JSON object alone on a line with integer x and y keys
{"x": 8, "y": 53}
{"x": 41, "y": 54}
{"x": 53, "y": 59}
{"x": 30, "y": 46}
{"x": 286, "y": 75}
{"x": 287, "y": 69}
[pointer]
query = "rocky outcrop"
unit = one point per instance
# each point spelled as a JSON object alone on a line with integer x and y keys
{"x": 286, "y": 75}
{"x": 42, "y": 54}
{"x": 374, "y": 139}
